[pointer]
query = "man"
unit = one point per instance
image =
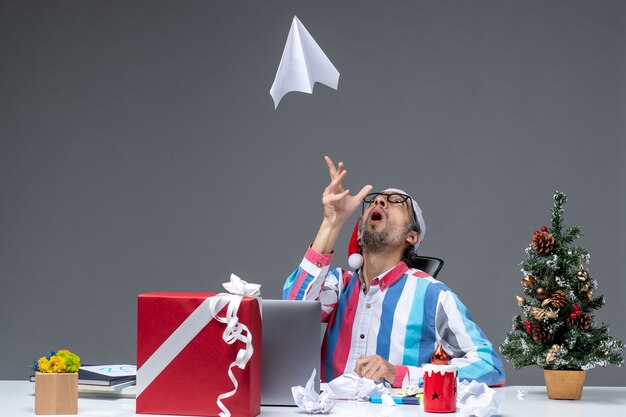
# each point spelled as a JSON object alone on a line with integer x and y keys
{"x": 385, "y": 319}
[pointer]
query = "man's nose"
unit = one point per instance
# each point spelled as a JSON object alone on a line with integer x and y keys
{"x": 380, "y": 200}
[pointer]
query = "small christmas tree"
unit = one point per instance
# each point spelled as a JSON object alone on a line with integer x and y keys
{"x": 557, "y": 330}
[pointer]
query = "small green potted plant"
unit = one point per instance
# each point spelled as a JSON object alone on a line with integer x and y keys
{"x": 56, "y": 383}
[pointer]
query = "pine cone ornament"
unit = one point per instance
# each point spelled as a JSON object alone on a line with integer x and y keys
{"x": 582, "y": 320}
{"x": 541, "y": 334}
{"x": 542, "y": 243}
{"x": 557, "y": 299}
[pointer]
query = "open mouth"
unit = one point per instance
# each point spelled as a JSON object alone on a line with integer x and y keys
{"x": 376, "y": 215}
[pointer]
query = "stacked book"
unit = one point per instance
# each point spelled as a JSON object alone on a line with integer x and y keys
{"x": 106, "y": 380}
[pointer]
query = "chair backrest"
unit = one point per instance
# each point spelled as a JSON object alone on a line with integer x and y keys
{"x": 428, "y": 264}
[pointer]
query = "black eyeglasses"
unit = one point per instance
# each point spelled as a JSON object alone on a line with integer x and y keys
{"x": 393, "y": 198}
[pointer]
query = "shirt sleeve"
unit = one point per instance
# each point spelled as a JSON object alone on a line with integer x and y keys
{"x": 314, "y": 280}
{"x": 473, "y": 352}
{"x": 407, "y": 375}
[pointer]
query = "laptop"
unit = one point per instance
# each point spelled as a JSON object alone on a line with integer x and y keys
{"x": 291, "y": 348}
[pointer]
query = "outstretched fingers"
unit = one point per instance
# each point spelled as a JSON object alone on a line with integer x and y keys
{"x": 336, "y": 185}
{"x": 331, "y": 198}
{"x": 364, "y": 191}
{"x": 339, "y": 177}
{"x": 332, "y": 170}
{"x": 335, "y": 198}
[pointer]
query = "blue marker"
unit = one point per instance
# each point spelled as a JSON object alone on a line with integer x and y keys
{"x": 398, "y": 400}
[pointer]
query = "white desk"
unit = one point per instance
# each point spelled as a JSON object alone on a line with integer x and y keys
{"x": 17, "y": 400}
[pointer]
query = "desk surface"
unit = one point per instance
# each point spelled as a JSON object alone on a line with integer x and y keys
{"x": 17, "y": 400}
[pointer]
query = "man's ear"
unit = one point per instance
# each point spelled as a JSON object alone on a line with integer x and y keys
{"x": 412, "y": 237}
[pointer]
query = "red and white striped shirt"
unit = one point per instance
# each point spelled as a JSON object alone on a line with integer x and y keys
{"x": 404, "y": 316}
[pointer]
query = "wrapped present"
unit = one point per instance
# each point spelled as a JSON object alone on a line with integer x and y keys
{"x": 200, "y": 353}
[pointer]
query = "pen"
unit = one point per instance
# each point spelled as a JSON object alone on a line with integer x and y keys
{"x": 397, "y": 399}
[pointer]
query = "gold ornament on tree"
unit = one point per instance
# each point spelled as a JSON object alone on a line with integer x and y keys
{"x": 520, "y": 300}
{"x": 587, "y": 291}
{"x": 582, "y": 274}
{"x": 541, "y": 294}
{"x": 539, "y": 313}
{"x": 529, "y": 282}
{"x": 551, "y": 356}
{"x": 542, "y": 243}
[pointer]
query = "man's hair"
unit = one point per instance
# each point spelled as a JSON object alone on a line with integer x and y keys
{"x": 409, "y": 257}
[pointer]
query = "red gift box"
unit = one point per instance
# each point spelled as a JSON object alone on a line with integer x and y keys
{"x": 183, "y": 361}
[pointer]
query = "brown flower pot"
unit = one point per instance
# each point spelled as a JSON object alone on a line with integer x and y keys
{"x": 56, "y": 393}
{"x": 564, "y": 385}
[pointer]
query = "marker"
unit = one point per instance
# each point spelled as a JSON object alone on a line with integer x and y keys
{"x": 397, "y": 399}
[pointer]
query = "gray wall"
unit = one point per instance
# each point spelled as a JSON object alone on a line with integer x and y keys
{"x": 140, "y": 151}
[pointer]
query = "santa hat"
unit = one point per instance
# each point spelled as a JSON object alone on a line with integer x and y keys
{"x": 355, "y": 259}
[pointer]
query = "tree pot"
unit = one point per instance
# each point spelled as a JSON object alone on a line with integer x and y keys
{"x": 56, "y": 393}
{"x": 564, "y": 385}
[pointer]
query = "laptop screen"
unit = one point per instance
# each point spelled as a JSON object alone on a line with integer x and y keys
{"x": 291, "y": 348}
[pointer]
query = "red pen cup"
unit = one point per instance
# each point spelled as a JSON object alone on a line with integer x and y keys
{"x": 440, "y": 388}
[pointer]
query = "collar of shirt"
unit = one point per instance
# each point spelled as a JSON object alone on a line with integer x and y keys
{"x": 387, "y": 278}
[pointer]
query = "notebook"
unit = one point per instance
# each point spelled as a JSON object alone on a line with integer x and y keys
{"x": 86, "y": 377}
{"x": 291, "y": 348}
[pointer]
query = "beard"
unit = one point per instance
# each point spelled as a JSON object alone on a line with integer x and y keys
{"x": 379, "y": 241}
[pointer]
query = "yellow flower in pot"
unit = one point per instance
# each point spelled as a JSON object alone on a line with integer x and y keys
{"x": 56, "y": 383}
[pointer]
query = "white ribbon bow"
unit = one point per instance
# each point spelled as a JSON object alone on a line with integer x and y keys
{"x": 197, "y": 320}
{"x": 238, "y": 288}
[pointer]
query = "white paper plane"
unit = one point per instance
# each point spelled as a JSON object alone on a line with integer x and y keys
{"x": 302, "y": 65}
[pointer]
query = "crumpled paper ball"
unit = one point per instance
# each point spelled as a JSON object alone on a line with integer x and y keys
{"x": 353, "y": 387}
{"x": 310, "y": 401}
{"x": 476, "y": 399}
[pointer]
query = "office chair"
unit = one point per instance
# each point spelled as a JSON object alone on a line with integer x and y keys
{"x": 428, "y": 264}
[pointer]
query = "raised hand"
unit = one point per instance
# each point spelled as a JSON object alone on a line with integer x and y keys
{"x": 337, "y": 203}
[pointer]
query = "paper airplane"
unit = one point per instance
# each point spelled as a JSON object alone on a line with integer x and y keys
{"x": 302, "y": 65}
